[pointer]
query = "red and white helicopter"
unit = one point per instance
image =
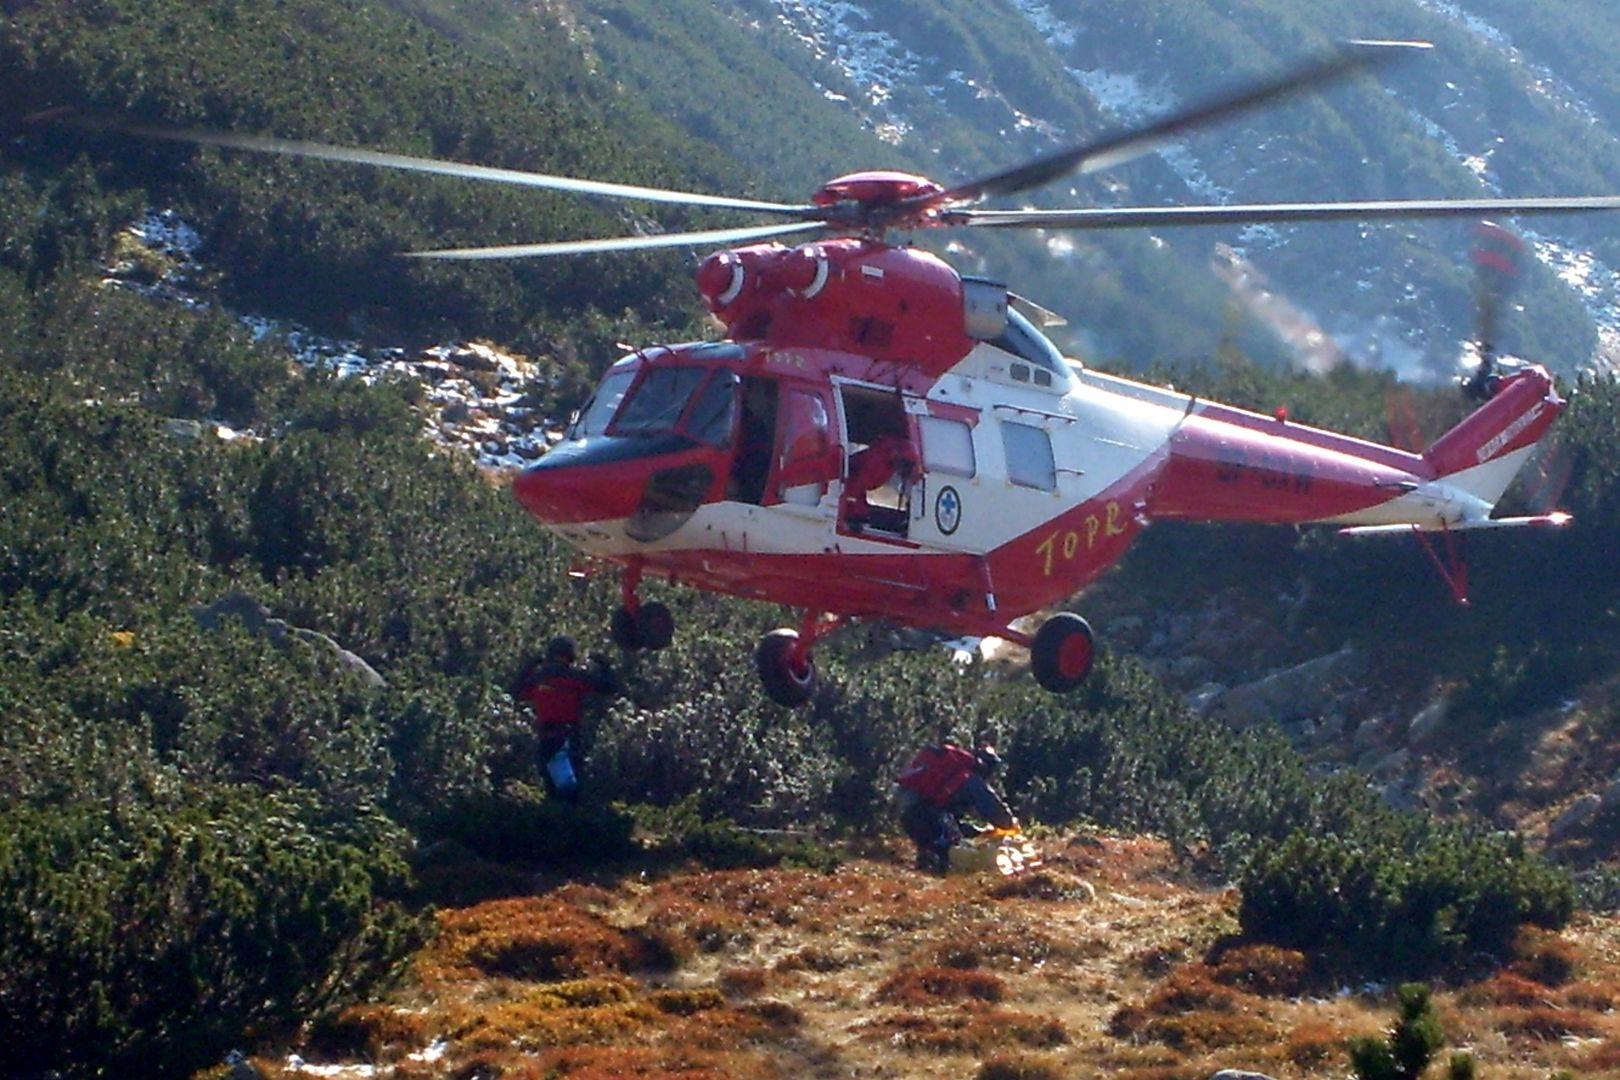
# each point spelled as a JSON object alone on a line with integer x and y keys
{"x": 879, "y": 437}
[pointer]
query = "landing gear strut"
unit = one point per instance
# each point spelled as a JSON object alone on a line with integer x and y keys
{"x": 786, "y": 668}
{"x": 636, "y": 625}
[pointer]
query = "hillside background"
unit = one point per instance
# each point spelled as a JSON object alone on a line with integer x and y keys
{"x": 257, "y": 628}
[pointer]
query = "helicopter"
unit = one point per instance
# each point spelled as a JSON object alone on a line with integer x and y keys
{"x": 879, "y": 437}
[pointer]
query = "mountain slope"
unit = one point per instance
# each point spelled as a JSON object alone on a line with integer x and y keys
{"x": 196, "y": 776}
{"x": 955, "y": 88}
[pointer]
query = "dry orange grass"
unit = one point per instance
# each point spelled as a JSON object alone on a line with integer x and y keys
{"x": 747, "y": 981}
{"x": 1020, "y": 1067}
{"x": 872, "y": 970}
{"x": 543, "y": 939}
{"x": 969, "y": 1029}
{"x": 1314, "y": 1044}
{"x": 917, "y": 987}
{"x": 1267, "y": 970}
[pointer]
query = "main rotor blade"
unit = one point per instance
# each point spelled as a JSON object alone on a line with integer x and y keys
{"x": 1122, "y": 146}
{"x": 1131, "y": 217}
{"x": 619, "y": 243}
{"x": 323, "y": 151}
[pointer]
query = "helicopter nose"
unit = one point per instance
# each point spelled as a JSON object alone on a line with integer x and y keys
{"x": 571, "y": 485}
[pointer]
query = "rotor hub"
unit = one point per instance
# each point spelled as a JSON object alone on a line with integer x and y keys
{"x": 877, "y": 198}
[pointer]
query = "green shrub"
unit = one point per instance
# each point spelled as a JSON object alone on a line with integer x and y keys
{"x": 1402, "y": 901}
{"x": 519, "y": 824}
{"x": 1410, "y": 1045}
{"x": 149, "y": 937}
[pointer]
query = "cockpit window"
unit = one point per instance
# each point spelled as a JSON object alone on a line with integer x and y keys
{"x": 1024, "y": 341}
{"x": 711, "y": 419}
{"x": 593, "y": 418}
{"x": 658, "y": 400}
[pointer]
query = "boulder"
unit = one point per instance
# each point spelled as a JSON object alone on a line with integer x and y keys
{"x": 1577, "y": 814}
{"x": 1289, "y": 695}
{"x": 257, "y": 620}
{"x": 1428, "y": 725}
{"x": 253, "y": 615}
{"x": 1610, "y": 799}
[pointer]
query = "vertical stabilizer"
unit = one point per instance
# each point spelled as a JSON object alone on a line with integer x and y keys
{"x": 1482, "y": 454}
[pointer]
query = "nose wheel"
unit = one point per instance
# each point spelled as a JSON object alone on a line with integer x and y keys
{"x": 636, "y": 625}
{"x": 789, "y": 679}
{"x": 786, "y": 668}
{"x": 647, "y": 626}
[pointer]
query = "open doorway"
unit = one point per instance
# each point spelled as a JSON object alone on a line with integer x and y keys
{"x": 882, "y": 463}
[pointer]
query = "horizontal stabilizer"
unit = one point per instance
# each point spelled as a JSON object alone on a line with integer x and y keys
{"x": 1557, "y": 518}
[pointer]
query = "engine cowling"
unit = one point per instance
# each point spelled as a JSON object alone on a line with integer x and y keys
{"x": 850, "y": 294}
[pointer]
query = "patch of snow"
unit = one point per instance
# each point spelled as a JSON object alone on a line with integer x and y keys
{"x": 1050, "y": 26}
{"x": 1478, "y": 164}
{"x": 839, "y": 34}
{"x": 166, "y": 231}
{"x": 1539, "y": 79}
{"x": 472, "y": 389}
{"x": 299, "y": 1067}
{"x": 1595, "y": 283}
{"x": 1123, "y": 94}
{"x": 1128, "y": 98}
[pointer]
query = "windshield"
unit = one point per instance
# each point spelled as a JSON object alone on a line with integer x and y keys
{"x": 658, "y": 400}
{"x": 594, "y": 417}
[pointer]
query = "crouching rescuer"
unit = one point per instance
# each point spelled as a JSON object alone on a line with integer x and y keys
{"x": 558, "y": 691}
{"x": 942, "y": 782}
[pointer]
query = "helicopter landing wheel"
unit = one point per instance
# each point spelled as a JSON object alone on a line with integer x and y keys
{"x": 789, "y": 680}
{"x": 1061, "y": 655}
{"x": 625, "y": 629}
{"x": 655, "y": 626}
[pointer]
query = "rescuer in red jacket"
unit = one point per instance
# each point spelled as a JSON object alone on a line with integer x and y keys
{"x": 890, "y": 454}
{"x": 558, "y": 691}
{"x": 940, "y": 783}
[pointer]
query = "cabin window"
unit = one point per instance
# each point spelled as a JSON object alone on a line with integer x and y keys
{"x": 658, "y": 400}
{"x": 593, "y": 418}
{"x": 1029, "y": 456}
{"x": 947, "y": 446}
{"x": 809, "y": 457}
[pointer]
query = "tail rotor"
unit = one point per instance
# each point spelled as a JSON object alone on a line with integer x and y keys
{"x": 1498, "y": 257}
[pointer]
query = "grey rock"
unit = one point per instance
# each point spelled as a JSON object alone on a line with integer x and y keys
{"x": 1329, "y": 728}
{"x": 253, "y": 615}
{"x": 1127, "y": 632}
{"x": 1611, "y": 794}
{"x": 1577, "y": 814}
{"x": 1370, "y": 735}
{"x": 1201, "y": 699}
{"x": 1191, "y": 670}
{"x": 1428, "y": 725}
{"x": 257, "y": 620}
{"x": 1393, "y": 763}
{"x": 1290, "y": 695}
